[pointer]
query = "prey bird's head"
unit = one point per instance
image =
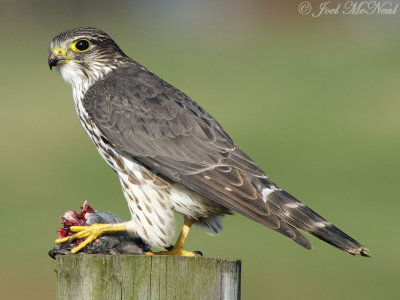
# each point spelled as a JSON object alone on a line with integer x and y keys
{"x": 84, "y": 55}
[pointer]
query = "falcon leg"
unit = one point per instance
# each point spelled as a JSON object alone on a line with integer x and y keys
{"x": 178, "y": 248}
{"x": 91, "y": 233}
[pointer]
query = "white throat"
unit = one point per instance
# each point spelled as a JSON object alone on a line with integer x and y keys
{"x": 80, "y": 82}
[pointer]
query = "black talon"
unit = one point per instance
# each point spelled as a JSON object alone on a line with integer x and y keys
{"x": 198, "y": 252}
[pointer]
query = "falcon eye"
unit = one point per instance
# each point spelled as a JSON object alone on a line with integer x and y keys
{"x": 81, "y": 45}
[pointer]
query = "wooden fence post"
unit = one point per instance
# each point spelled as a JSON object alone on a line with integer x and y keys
{"x": 108, "y": 277}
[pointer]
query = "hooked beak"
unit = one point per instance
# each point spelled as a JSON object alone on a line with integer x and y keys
{"x": 54, "y": 60}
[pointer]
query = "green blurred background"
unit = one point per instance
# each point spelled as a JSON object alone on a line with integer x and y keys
{"x": 314, "y": 101}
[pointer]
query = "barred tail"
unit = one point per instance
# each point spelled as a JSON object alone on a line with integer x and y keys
{"x": 296, "y": 214}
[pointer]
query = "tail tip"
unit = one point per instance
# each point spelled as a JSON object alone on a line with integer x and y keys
{"x": 360, "y": 251}
{"x": 364, "y": 252}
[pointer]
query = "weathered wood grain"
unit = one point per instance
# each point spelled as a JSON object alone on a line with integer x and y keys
{"x": 130, "y": 277}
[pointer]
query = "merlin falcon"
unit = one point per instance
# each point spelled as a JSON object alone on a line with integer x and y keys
{"x": 170, "y": 154}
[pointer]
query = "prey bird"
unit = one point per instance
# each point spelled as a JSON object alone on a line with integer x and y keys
{"x": 170, "y": 154}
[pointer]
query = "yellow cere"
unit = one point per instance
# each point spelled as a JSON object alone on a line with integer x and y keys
{"x": 59, "y": 52}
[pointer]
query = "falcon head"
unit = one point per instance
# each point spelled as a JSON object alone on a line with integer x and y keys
{"x": 83, "y": 55}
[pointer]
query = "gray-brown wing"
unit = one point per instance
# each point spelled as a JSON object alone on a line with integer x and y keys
{"x": 161, "y": 127}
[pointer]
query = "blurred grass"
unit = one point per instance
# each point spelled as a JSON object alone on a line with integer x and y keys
{"x": 313, "y": 102}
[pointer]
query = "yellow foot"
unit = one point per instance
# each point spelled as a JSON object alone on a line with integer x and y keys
{"x": 176, "y": 252}
{"x": 178, "y": 248}
{"x": 91, "y": 233}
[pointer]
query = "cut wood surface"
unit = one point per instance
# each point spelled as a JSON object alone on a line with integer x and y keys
{"x": 90, "y": 276}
